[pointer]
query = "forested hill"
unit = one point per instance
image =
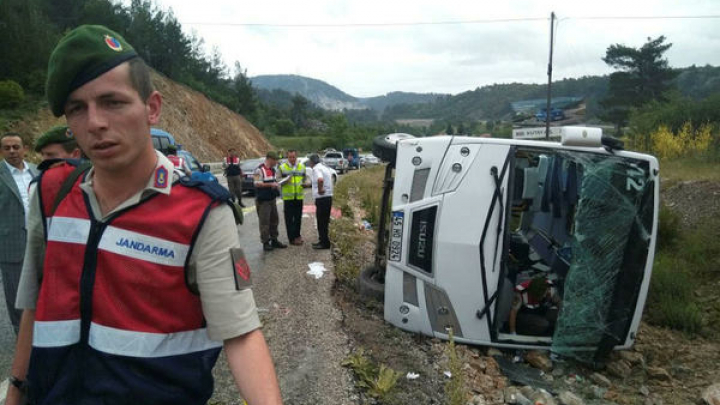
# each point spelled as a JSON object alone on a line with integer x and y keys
{"x": 202, "y": 126}
{"x": 328, "y": 96}
{"x": 493, "y": 102}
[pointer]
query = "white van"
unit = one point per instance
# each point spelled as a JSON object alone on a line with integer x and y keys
{"x": 475, "y": 219}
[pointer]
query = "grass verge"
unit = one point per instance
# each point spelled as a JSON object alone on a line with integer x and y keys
{"x": 689, "y": 168}
{"x": 686, "y": 273}
{"x": 358, "y": 196}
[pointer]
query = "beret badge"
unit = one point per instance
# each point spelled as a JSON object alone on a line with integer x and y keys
{"x": 113, "y": 43}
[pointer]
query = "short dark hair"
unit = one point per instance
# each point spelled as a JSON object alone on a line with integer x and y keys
{"x": 314, "y": 158}
{"x": 140, "y": 78}
{"x": 13, "y": 134}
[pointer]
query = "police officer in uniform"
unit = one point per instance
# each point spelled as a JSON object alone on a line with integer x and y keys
{"x": 181, "y": 165}
{"x": 233, "y": 173}
{"x": 267, "y": 190}
{"x": 293, "y": 196}
{"x": 141, "y": 282}
{"x": 57, "y": 143}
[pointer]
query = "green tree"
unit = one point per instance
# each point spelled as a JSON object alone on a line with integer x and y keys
{"x": 338, "y": 128}
{"x": 299, "y": 111}
{"x": 642, "y": 75}
{"x": 284, "y": 127}
{"x": 449, "y": 129}
{"x": 245, "y": 94}
{"x": 26, "y": 39}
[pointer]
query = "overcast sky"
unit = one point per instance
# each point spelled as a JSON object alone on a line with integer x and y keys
{"x": 364, "y": 59}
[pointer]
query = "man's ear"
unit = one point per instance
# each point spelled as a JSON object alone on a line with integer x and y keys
{"x": 154, "y": 107}
{"x": 75, "y": 154}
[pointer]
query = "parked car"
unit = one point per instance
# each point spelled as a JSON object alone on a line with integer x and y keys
{"x": 248, "y": 167}
{"x": 556, "y": 114}
{"x": 199, "y": 171}
{"x": 369, "y": 160}
{"x": 353, "y": 157}
{"x": 161, "y": 140}
{"x": 336, "y": 161}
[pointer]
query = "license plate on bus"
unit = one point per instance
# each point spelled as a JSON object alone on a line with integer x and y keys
{"x": 396, "y": 235}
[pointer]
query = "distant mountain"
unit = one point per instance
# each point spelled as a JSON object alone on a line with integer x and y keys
{"x": 330, "y": 97}
{"x": 317, "y": 91}
{"x": 487, "y": 102}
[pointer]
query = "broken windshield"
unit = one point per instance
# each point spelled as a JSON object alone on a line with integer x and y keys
{"x": 577, "y": 249}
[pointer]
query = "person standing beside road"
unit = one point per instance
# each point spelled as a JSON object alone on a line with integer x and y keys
{"x": 135, "y": 282}
{"x": 293, "y": 196}
{"x": 15, "y": 177}
{"x": 322, "y": 189}
{"x": 266, "y": 191}
{"x": 233, "y": 173}
{"x": 57, "y": 143}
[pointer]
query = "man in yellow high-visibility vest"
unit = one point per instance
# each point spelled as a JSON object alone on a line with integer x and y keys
{"x": 293, "y": 196}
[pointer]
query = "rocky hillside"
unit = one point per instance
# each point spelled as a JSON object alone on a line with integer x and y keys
{"x": 202, "y": 126}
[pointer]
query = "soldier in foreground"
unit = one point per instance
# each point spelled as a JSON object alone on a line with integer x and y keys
{"x": 113, "y": 311}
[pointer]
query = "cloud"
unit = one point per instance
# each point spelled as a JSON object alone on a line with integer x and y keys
{"x": 373, "y": 60}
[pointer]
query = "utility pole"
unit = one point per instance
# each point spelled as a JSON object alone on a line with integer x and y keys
{"x": 549, "y": 72}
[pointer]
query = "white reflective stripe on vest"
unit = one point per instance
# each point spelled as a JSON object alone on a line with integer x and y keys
{"x": 56, "y": 333}
{"x": 144, "y": 344}
{"x": 143, "y": 247}
{"x": 68, "y": 230}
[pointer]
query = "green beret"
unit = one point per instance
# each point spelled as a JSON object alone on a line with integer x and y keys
{"x": 83, "y": 54}
{"x": 59, "y": 134}
{"x": 272, "y": 155}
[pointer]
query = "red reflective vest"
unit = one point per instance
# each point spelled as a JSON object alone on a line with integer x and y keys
{"x": 177, "y": 161}
{"x": 115, "y": 321}
{"x": 531, "y": 303}
{"x": 267, "y": 175}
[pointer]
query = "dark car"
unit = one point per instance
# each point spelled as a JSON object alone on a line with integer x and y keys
{"x": 556, "y": 114}
{"x": 199, "y": 172}
{"x": 248, "y": 167}
{"x": 161, "y": 140}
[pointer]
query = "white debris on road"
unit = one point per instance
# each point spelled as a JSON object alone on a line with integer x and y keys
{"x": 316, "y": 269}
{"x": 412, "y": 376}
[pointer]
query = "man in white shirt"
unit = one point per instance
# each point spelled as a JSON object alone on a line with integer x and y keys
{"x": 15, "y": 177}
{"x": 322, "y": 190}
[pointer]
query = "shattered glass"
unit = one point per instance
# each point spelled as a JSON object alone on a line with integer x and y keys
{"x": 605, "y": 252}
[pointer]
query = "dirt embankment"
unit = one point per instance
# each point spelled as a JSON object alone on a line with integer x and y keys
{"x": 202, "y": 126}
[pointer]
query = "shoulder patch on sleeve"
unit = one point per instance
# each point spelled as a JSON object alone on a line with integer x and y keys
{"x": 241, "y": 269}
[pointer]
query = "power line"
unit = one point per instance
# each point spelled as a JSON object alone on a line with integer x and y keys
{"x": 391, "y": 24}
{"x": 453, "y": 22}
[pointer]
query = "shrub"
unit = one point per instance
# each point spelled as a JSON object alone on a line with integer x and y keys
{"x": 668, "y": 227}
{"x": 378, "y": 382}
{"x": 687, "y": 141}
{"x": 11, "y": 94}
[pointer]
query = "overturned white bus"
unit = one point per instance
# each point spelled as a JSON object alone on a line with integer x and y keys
{"x": 475, "y": 219}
